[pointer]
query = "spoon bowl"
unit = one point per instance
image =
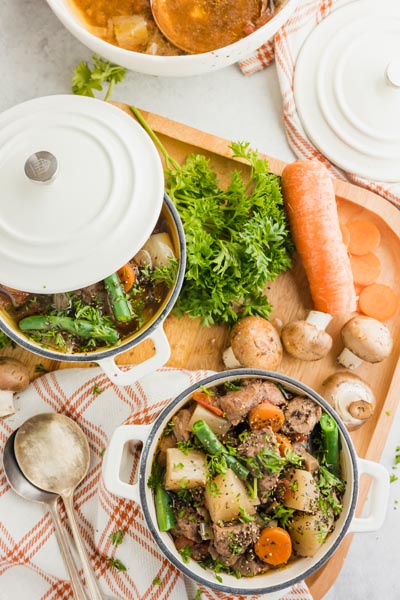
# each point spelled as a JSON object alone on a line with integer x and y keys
{"x": 27, "y": 490}
{"x": 53, "y": 453}
{"x": 198, "y": 26}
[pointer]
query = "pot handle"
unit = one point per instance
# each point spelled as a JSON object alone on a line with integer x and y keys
{"x": 379, "y": 495}
{"x": 162, "y": 354}
{"x": 113, "y": 458}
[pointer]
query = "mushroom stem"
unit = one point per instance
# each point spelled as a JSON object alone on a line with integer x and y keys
{"x": 6, "y": 403}
{"x": 229, "y": 358}
{"x": 361, "y": 409}
{"x": 320, "y": 319}
{"x": 348, "y": 359}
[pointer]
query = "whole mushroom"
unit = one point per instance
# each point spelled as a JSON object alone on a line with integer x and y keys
{"x": 254, "y": 343}
{"x": 14, "y": 377}
{"x": 351, "y": 397}
{"x": 366, "y": 339}
{"x": 307, "y": 339}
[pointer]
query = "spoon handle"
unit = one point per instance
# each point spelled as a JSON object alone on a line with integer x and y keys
{"x": 77, "y": 586}
{"x": 92, "y": 584}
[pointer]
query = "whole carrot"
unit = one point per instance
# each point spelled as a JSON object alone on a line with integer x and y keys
{"x": 311, "y": 207}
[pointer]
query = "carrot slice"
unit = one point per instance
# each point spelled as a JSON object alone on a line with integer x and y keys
{"x": 345, "y": 234}
{"x": 204, "y": 399}
{"x": 127, "y": 276}
{"x": 311, "y": 207}
{"x": 274, "y": 546}
{"x": 284, "y": 443}
{"x": 366, "y": 268}
{"x": 364, "y": 237}
{"x": 266, "y": 414}
{"x": 379, "y": 301}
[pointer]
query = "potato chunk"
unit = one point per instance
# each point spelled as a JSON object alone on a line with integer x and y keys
{"x": 226, "y": 498}
{"x": 217, "y": 424}
{"x": 302, "y": 493}
{"x": 184, "y": 470}
{"x": 308, "y": 532}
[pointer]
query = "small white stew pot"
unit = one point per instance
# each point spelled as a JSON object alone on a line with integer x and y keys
{"x": 274, "y": 581}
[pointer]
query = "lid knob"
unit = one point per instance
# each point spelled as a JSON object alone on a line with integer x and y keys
{"x": 393, "y": 73}
{"x": 41, "y": 167}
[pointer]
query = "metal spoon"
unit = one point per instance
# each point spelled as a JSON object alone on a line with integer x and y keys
{"x": 196, "y": 27}
{"x": 28, "y": 491}
{"x": 53, "y": 453}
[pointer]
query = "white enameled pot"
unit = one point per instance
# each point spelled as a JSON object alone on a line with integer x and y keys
{"x": 153, "y": 330}
{"x": 274, "y": 582}
{"x": 171, "y": 66}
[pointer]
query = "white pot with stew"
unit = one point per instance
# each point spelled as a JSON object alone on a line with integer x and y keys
{"x": 93, "y": 251}
{"x": 173, "y": 39}
{"x": 248, "y": 481}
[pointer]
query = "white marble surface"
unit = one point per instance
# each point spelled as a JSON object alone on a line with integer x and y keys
{"x": 37, "y": 57}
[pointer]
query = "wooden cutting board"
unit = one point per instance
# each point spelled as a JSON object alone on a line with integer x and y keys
{"x": 196, "y": 347}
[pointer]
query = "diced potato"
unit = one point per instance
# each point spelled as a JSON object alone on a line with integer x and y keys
{"x": 160, "y": 248}
{"x": 184, "y": 470}
{"x": 130, "y": 31}
{"x": 308, "y": 532}
{"x": 302, "y": 493}
{"x": 217, "y": 424}
{"x": 226, "y": 498}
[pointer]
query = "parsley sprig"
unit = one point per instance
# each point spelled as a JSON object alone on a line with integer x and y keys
{"x": 86, "y": 80}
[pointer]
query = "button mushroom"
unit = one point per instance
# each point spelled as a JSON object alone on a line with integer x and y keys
{"x": 14, "y": 377}
{"x": 307, "y": 339}
{"x": 350, "y": 396}
{"x": 364, "y": 339}
{"x": 254, "y": 343}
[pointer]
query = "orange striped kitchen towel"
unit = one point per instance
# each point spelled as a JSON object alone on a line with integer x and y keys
{"x": 30, "y": 563}
{"x": 284, "y": 48}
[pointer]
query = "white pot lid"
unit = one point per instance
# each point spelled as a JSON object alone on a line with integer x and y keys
{"x": 100, "y": 204}
{"x": 347, "y": 88}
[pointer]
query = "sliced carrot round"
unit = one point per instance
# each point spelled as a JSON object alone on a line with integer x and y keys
{"x": 284, "y": 443}
{"x": 345, "y": 234}
{"x": 127, "y": 276}
{"x": 378, "y": 301}
{"x": 364, "y": 237}
{"x": 366, "y": 268}
{"x": 274, "y": 546}
{"x": 266, "y": 414}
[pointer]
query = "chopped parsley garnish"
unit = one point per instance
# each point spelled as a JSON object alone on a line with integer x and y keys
{"x": 116, "y": 537}
{"x": 96, "y": 390}
{"x": 156, "y": 581}
{"x": 186, "y": 553}
{"x": 117, "y": 564}
{"x": 39, "y": 368}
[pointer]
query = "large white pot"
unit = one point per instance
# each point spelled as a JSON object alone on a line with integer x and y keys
{"x": 274, "y": 581}
{"x": 171, "y": 66}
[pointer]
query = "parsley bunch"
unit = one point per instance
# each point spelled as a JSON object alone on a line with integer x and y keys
{"x": 237, "y": 238}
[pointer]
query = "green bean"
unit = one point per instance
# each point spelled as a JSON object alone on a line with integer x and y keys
{"x": 213, "y": 446}
{"x": 236, "y": 466}
{"x": 164, "y": 512}
{"x": 330, "y": 443}
{"x": 119, "y": 304}
{"x": 207, "y": 437}
{"x": 79, "y": 327}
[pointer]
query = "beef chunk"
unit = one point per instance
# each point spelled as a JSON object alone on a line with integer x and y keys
{"x": 166, "y": 441}
{"x": 301, "y": 416}
{"x": 233, "y": 540}
{"x": 181, "y": 428}
{"x": 265, "y": 485}
{"x": 257, "y": 441}
{"x": 238, "y": 403}
{"x": 250, "y": 565}
{"x": 187, "y": 523}
{"x": 310, "y": 462}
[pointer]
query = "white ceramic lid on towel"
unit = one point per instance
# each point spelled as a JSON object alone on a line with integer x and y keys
{"x": 347, "y": 88}
{"x": 101, "y": 200}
